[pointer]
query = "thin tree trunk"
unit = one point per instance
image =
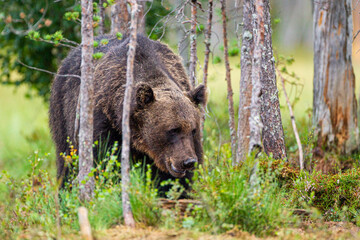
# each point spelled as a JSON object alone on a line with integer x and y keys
{"x": 207, "y": 55}
{"x": 243, "y": 131}
{"x": 102, "y": 17}
{"x": 273, "y": 134}
{"x": 119, "y": 17}
{"x": 229, "y": 87}
{"x": 125, "y": 150}
{"x": 193, "y": 53}
{"x": 141, "y": 21}
{"x": 255, "y": 122}
{"x": 334, "y": 105}
{"x": 86, "y": 183}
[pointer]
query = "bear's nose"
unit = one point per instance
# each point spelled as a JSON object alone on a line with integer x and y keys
{"x": 189, "y": 163}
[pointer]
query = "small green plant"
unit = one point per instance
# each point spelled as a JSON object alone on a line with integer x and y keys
{"x": 229, "y": 199}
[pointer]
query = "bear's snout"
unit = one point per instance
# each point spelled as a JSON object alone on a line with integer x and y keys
{"x": 189, "y": 163}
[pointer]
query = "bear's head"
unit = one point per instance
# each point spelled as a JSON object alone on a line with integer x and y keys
{"x": 166, "y": 126}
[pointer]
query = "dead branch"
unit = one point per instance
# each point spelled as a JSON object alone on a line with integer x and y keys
{"x": 292, "y": 116}
{"x": 49, "y": 72}
{"x": 229, "y": 87}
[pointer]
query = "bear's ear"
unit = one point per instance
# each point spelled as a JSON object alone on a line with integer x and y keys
{"x": 144, "y": 95}
{"x": 198, "y": 95}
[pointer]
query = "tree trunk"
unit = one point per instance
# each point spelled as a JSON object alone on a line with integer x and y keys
{"x": 334, "y": 105}
{"x": 273, "y": 134}
{"x": 125, "y": 149}
{"x": 243, "y": 131}
{"x": 183, "y": 40}
{"x": 207, "y": 42}
{"x": 193, "y": 53}
{"x": 102, "y": 17}
{"x": 86, "y": 183}
{"x": 257, "y": 65}
{"x": 141, "y": 18}
{"x": 229, "y": 87}
{"x": 255, "y": 122}
{"x": 119, "y": 17}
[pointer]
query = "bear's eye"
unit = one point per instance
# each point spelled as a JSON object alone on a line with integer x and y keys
{"x": 174, "y": 131}
{"x": 193, "y": 132}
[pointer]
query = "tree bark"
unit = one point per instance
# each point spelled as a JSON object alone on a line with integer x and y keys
{"x": 120, "y": 17}
{"x": 255, "y": 122}
{"x": 86, "y": 183}
{"x": 229, "y": 87}
{"x": 125, "y": 150}
{"x": 193, "y": 53}
{"x": 243, "y": 131}
{"x": 334, "y": 105}
{"x": 258, "y": 74}
{"x": 272, "y": 134}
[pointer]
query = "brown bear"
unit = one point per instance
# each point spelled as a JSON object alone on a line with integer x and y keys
{"x": 164, "y": 115}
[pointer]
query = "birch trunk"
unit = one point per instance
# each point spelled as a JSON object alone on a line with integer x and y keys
{"x": 272, "y": 134}
{"x": 229, "y": 87}
{"x": 193, "y": 54}
{"x": 243, "y": 131}
{"x": 255, "y": 122}
{"x": 120, "y": 17}
{"x": 334, "y": 105}
{"x": 86, "y": 183}
{"x": 125, "y": 149}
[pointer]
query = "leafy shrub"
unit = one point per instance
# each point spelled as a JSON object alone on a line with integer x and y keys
{"x": 337, "y": 196}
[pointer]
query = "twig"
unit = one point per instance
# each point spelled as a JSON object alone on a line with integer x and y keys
{"x": 229, "y": 87}
{"x": 57, "y": 44}
{"x": 292, "y": 116}
{"x": 46, "y": 71}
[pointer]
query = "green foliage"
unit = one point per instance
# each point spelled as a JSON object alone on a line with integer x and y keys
{"x": 14, "y": 22}
{"x": 98, "y": 55}
{"x": 336, "y": 196}
{"x": 154, "y": 19}
{"x": 229, "y": 199}
{"x": 119, "y": 35}
{"x": 234, "y": 51}
{"x": 144, "y": 196}
{"x": 216, "y": 60}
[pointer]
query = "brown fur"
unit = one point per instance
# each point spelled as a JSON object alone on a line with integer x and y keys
{"x": 164, "y": 118}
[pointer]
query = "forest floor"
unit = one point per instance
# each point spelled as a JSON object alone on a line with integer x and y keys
{"x": 306, "y": 230}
